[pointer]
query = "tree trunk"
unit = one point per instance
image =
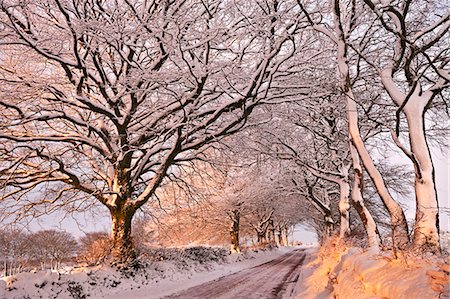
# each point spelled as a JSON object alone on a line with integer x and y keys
{"x": 329, "y": 226}
{"x": 398, "y": 219}
{"x": 271, "y": 237}
{"x": 344, "y": 207}
{"x": 426, "y": 229}
{"x": 234, "y": 231}
{"x": 261, "y": 234}
{"x": 279, "y": 233}
{"x": 373, "y": 235}
{"x": 286, "y": 235}
{"x": 123, "y": 252}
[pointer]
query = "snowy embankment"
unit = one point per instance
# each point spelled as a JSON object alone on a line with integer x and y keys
{"x": 338, "y": 271}
{"x": 168, "y": 271}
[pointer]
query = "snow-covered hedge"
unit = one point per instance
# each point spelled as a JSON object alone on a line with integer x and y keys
{"x": 157, "y": 264}
{"x": 185, "y": 256}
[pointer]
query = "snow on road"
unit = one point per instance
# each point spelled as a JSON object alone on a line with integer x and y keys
{"x": 274, "y": 279}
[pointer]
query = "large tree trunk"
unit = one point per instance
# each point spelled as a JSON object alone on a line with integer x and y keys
{"x": 123, "y": 251}
{"x": 261, "y": 233}
{"x": 426, "y": 229}
{"x": 373, "y": 235}
{"x": 399, "y": 225}
{"x": 234, "y": 231}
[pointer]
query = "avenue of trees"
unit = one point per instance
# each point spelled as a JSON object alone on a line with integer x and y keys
{"x": 115, "y": 103}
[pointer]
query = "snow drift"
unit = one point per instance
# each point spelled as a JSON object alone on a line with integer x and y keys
{"x": 341, "y": 271}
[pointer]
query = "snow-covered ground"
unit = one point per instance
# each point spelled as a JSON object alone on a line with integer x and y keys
{"x": 159, "y": 279}
{"x": 339, "y": 271}
{"x": 333, "y": 271}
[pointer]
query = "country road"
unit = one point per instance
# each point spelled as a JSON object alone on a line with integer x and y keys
{"x": 274, "y": 279}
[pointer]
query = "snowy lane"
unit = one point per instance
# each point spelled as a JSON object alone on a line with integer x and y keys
{"x": 274, "y": 279}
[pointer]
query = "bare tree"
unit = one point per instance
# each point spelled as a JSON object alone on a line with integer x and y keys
{"x": 103, "y": 99}
{"x": 94, "y": 248}
{"x": 13, "y": 251}
{"x": 51, "y": 247}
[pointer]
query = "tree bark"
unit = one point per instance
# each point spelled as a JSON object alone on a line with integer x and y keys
{"x": 344, "y": 198}
{"x": 271, "y": 237}
{"x": 234, "y": 231}
{"x": 426, "y": 229}
{"x": 344, "y": 206}
{"x": 373, "y": 235}
{"x": 123, "y": 251}
{"x": 286, "y": 235}
{"x": 280, "y": 236}
{"x": 261, "y": 237}
{"x": 399, "y": 225}
{"x": 5, "y": 268}
{"x": 329, "y": 226}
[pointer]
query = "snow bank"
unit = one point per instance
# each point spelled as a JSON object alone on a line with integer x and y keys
{"x": 167, "y": 271}
{"x": 340, "y": 271}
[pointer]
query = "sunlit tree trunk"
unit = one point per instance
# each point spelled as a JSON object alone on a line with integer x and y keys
{"x": 342, "y": 180}
{"x": 123, "y": 250}
{"x": 373, "y": 235}
{"x": 344, "y": 206}
{"x": 234, "y": 231}
{"x": 426, "y": 229}
{"x": 5, "y": 268}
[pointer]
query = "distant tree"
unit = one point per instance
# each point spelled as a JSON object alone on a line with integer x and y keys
{"x": 13, "y": 251}
{"x": 51, "y": 247}
{"x": 94, "y": 248}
